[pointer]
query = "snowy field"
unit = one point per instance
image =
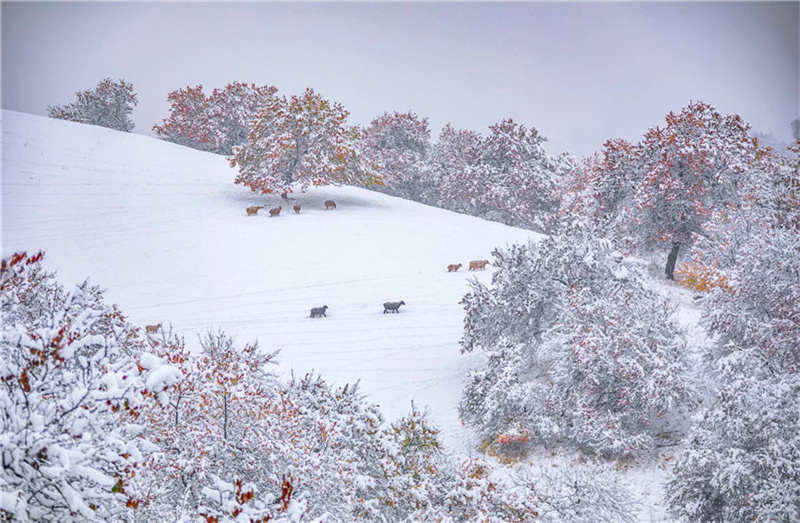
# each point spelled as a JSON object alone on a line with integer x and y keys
{"x": 163, "y": 228}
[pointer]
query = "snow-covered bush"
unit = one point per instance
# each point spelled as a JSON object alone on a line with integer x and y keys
{"x": 226, "y": 423}
{"x": 742, "y": 458}
{"x": 234, "y": 439}
{"x": 578, "y": 493}
{"x": 761, "y": 313}
{"x": 109, "y": 104}
{"x": 235, "y": 442}
{"x": 577, "y": 348}
{"x": 75, "y": 384}
{"x": 423, "y": 483}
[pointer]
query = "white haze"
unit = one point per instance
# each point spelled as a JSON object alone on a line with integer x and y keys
{"x": 579, "y": 72}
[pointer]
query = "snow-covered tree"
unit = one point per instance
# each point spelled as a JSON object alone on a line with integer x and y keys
{"x": 604, "y": 186}
{"x": 661, "y": 190}
{"x": 75, "y": 381}
{"x": 400, "y": 144}
{"x": 697, "y": 162}
{"x": 299, "y": 142}
{"x": 232, "y": 111}
{"x": 787, "y": 187}
{"x": 454, "y": 166}
{"x": 215, "y": 123}
{"x": 109, "y": 104}
{"x": 522, "y": 179}
{"x": 577, "y": 349}
{"x": 505, "y": 177}
{"x": 188, "y": 122}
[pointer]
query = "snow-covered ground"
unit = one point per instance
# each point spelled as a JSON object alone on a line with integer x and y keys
{"x": 163, "y": 228}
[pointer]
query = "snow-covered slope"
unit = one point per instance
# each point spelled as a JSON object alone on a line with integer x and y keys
{"x": 163, "y": 228}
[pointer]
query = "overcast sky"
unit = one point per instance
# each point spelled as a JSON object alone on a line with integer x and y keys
{"x": 579, "y": 72}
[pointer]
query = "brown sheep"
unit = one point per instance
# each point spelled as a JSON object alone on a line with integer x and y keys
{"x": 152, "y": 328}
{"x": 478, "y": 264}
{"x": 453, "y": 267}
{"x": 253, "y": 210}
{"x": 297, "y": 209}
{"x": 274, "y": 212}
{"x": 330, "y": 204}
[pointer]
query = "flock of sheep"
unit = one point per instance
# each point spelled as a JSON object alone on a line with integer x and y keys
{"x": 394, "y": 306}
{"x": 389, "y": 306}
{"x": 319, "y": 312}
{"x": 275, "y": 211}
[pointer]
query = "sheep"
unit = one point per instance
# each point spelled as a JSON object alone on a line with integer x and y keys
{"x": 330, "y": 204}
{"x": 296, "y": 209}
{"x": 392, "y": 306}
{"x": 478, "y": 264}
{"x": 152, "y": 329}
{"x": 274, "y": 212}
{"x": 319, "y": 311}
{"x": 253, "y": 210}
{"x": 453, "y": 267}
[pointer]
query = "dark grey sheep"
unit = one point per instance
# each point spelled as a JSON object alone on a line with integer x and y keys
{"x": 319, "y": 311}
{"x": 392, "y": 306}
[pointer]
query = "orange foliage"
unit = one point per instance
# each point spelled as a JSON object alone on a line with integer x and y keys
{"x": 701, "y": 278}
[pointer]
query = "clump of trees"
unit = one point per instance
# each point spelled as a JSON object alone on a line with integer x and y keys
{"x": 109, "y": 104}
{"x": 281, "y": 144}
{"x": 578, "y": 350}
{"x": 506, "y": 176}
{"x": 703, "y": 185}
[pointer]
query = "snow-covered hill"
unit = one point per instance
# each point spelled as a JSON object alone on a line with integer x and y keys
{"x": 163, "y": 228}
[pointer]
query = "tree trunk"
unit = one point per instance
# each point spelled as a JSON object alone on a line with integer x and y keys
{"x": 669, "y": 270}
{"x": 177, "y": 404}
{"x": 225, "y": 417}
